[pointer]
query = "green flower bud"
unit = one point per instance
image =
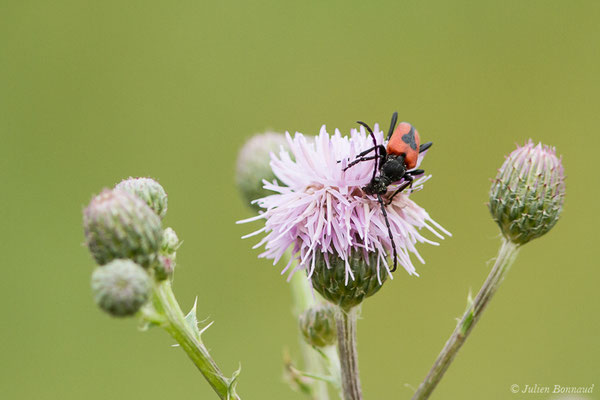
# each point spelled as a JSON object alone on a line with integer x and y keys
{"x": 121, "y": 287}
{"x": 118, "y": 224}
{"x": 164, "y": 267}
{"x": 333, "y": 284}
{"x": 166, "y": 260}
{"x": 148, "y": 190}
{"x": 528, "y": 193}
{"x": 254, "y": 165}
{"x": 317, "y": 325}
{"x": 170, "y": 241}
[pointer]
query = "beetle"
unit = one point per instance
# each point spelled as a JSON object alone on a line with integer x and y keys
{"x": 394, "y": 162}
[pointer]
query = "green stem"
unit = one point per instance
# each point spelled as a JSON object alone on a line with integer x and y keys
{"x": 506, "y": 256}
{"x": 303, "y": 299}
{"x": 190, "y": 341}
{"x": 333, "y": 365}
{"x": 346, "y": 335}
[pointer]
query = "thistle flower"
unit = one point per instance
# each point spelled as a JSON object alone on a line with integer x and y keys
{"x": 253, "y": 165}
{"x": 527, "y": 196}
{"x": 121, "y": 287}
{"x": 118, "y": 224}
{"x": 147, "y": 189}
{"x": 322, "y": 213}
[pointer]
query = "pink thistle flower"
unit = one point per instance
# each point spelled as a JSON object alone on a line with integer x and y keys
{"x": 322, "y": 211}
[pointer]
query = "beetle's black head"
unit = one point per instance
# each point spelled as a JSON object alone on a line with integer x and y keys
{"x": 378, "y": 185}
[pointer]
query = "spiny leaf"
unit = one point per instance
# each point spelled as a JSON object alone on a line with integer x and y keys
{"x": 192, "y": 321}
{"x": 469, "y": 318}
{"x": 233, "y": 382}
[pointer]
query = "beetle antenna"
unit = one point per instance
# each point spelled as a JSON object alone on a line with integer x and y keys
{"x": 368, "y": 129}
{"x": 387, "y": 223}
{"x": 392, "y": 125}
{"x": 374, "y": 144}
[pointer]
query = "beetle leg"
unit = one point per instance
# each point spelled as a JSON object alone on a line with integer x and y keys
{"x": 387, "y": 223}
{"x": 409, "y": 180}
{"x": 379, "y": 147}
{"x": 364, "y": 153}
{"x": 361, "y": 159}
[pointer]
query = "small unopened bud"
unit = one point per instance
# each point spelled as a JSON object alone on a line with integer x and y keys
{"x": 148, "y": 190}
{"x": 170, "y": 241}
{"x": 317, "y": 325}
{"x": 121, "y": 287}
{"x": 118, "y": 224}
{"x": 528, "y": 193}
{"x": 164, "y": 267}
{"x": 166, "y": 260}
{"x": 254, "y": 165}
{"x": 334, "y": 285}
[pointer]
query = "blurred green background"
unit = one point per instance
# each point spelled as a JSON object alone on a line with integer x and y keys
{"x": 93, "y": 92}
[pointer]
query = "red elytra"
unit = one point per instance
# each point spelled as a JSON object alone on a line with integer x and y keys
{"x": 405, "y": 142}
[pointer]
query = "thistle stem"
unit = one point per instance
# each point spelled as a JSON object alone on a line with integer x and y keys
{"x": 346, "y": 336}
{"x": 190, "y": 341}
{"x": 506, "y": 256}
{"x": 303, "y": 299}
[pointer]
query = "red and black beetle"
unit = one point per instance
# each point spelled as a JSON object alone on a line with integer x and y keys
{"x": 394, "y": 162}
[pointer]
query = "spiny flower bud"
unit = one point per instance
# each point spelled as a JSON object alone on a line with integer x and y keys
{"x": 121, "y": 287}
{"x": 164, "y": 267}
{"x": 170, "y": 241}
{"x": 317, "y": 325}
{"x": 166, "y": 260}
{"x": 254, "y": 165}
{"x": 118, "y": 224}
{"x": 335, "y": 284}
{"x": 528, "y": 193}
{"x": 148, "y": 190}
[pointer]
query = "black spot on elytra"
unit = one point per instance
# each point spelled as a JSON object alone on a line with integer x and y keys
{"x": 409, "y": 138}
